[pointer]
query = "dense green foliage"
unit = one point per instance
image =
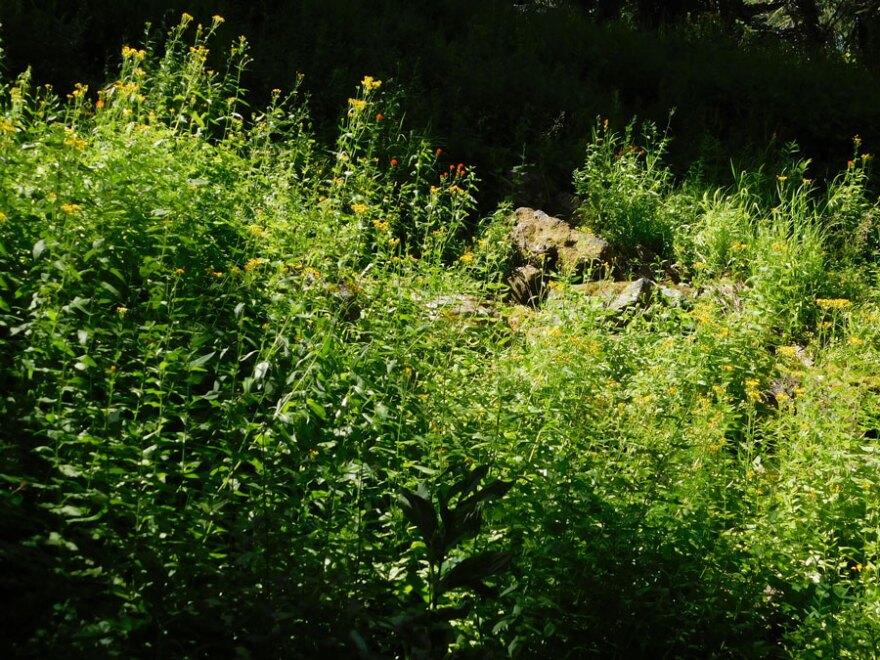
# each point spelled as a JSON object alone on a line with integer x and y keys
{"x": 244, "y": 413}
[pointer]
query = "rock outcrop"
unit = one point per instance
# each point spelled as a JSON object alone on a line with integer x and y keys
{"x": 546, "y": 242}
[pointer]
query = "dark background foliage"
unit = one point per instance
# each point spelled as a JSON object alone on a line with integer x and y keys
{"x": 506, "y": 84}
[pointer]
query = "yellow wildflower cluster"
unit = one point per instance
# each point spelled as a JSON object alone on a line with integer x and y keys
{"x": 788, "y": 352}
{"x": 71, "y": 209}
{"x": 369, "y": 83}
{"x": 356, "y": 105}
{"x": 467, "y": 258}
{"x": 752, "y": 391}
{"x": 702, "y": 313}
{"x": 122, "y": 311}
{"x": 6, "y": 126}
{"x": 256, "y": 230}
{"x": 125, "y": 88}
{"x": 382, "y": 225}
{"x": 200, "y": 52}
{"x": 3, "y": 216}
{"x": 738, "y": 246}
{"x": 72, "y": 140}
{"x": 833, "y": 303}
{"x": 185, "y": 18}
{"x": 456, "y": 190}
{"x": 133, "y": 53}
{"x": 252, "y": 264}
{"x": 779, "y": 246}
{"x": 217, "y": 19}
{"x": 359, "y": 208}
{"x": 79, "y": 90}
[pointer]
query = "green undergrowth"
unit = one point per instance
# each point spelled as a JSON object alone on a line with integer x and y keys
{"x": 265, "y": 397}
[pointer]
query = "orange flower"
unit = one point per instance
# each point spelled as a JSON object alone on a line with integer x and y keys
{"x": 379, "y": 117}
{"x": 393, "y": 162}
{"x": 849, "y": 163}
{"x": 100, "y": 103}
{"x": 439, "y": 151}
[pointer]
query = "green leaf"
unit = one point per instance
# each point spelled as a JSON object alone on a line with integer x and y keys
{"x": 471, "y": 571}
{"x": 39, "y": 246}
{"x": 202, "y": 361}
{"x": 419, "y": 511}
{"x": 316, "y": 408}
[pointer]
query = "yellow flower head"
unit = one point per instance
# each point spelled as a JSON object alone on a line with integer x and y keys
{"x": 467, "y": 258}
{"x": 833, "y": 303}
{"x": 217, "y": 19}
{"x": 70, "y": 209}
{"x": 356, "y": 105}
{"x": 360, "y": 208}
{"x": 133, "y": 53}
{"x": 370, "y": 83}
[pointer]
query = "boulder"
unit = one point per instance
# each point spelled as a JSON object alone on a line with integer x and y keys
{"x": 547, "y": 242}
{"x": 459, "y": 304}
{"x": 637, "y": 293}
{"x": 527, "y": 285}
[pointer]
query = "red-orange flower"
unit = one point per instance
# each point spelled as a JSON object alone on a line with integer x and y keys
{"x": 393, "y": 162}
{"x": 439, "y": 151}
{"x": 379, "y": 117}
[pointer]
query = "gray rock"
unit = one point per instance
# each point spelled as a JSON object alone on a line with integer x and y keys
{"x": 547, "y": 242}
{"x": 459, "y": 304}
{"x": 637, "y": 293}
{"x": 527, "y": 285}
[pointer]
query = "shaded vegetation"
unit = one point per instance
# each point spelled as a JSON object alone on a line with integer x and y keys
{"x": 243, "y": 416}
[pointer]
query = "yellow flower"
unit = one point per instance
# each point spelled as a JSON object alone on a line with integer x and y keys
{"x": 833, "y": 303}
{"x": 360, "y": 208}
{"x": 256, "y": 230}
{"x": 370, "y": 83}
{"x": 6, "y": 126}
{"x": 855, "y": 341}
{"x": 185, "y": 18}
{"x": 467, "y": 258}
{"x": 72, "y": 140}
{"x": 3, "y": 216}
{"x": 781, "y": 177}
{"x": 789, "y": 352}
{"x": 133, "y": 53}
{"x": 252, "y": 264}
{"x": 70, "y": 209}
{"x": 382, "y": 225}
{"x": 779, "y": 246}
{"x": 217, "y": 19}
{"x": 179, "y": 271}
{"x": 122, "y": 311}
{"x": 356, "y": 105}
{"x": 752, "y": 392}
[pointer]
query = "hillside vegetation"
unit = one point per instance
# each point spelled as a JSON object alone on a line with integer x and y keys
{"x": 250, "y": 407}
